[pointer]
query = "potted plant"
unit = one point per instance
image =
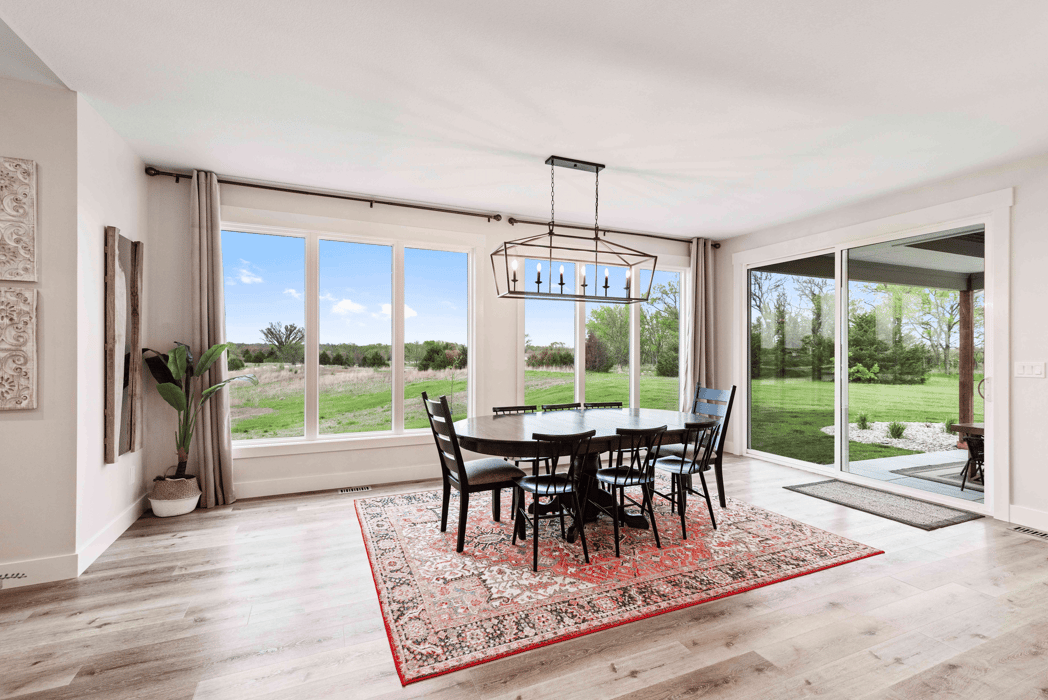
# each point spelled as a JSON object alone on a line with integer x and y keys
{"x": 175, "y": 373}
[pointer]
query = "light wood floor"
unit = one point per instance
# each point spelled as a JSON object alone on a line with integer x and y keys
{"x": 273, "y": 598}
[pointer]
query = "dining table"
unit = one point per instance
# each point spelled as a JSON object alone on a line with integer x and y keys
{"x": 512, "y": 436}
{"x": 965, "y": 429}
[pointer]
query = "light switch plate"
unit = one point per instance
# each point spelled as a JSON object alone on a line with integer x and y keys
{"x": 1033, "y": 370}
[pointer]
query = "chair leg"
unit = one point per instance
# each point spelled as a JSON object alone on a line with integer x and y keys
{"x": 463, "y": 512}
{"x": 518, "y": 519}
{"x": 580, "y": 525}
{"x": 615, "y": 522}
{"x": 444, "y": 507}
{"x": 685, "y": 484}
{"x": 649, "y": 500}
{"x": 683, "y": 526}
{"x": 720, "y": 483}
{"x": 563, "y": 531}
{"x": 535, "y": 536}
{"x": 709, "y": 501}
{"x": 964, "y": 472}
{"x": 496, "y": 505}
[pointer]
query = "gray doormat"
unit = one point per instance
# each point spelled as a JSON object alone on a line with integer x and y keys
{"x": 901, "y": 509}
{"x": 941, "y": 473}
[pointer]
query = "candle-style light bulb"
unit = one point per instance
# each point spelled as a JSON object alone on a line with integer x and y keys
{"x": 538, "y": 277}
{"x": 514, "y": 265}
{"x": 514, "y": 280}
{"x": 562, "y": 274}
{"x": 605, "y": 274}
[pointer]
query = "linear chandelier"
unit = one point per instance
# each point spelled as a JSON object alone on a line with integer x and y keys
{"x": 545, "y": 250}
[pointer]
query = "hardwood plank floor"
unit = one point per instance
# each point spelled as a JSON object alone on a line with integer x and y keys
{"x": 273, "y": 598}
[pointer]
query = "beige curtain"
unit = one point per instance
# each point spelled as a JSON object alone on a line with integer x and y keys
{"x": 699, "y": 341}
{"x": 212, "y": 444}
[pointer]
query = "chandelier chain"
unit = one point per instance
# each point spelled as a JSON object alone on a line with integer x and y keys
{"x": 596, "y": 203}
{"x": 551, "y": 200}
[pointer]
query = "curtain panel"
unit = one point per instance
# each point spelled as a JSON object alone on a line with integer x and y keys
{"x": 699, "y": 342}
{"x": 212, "y": 443}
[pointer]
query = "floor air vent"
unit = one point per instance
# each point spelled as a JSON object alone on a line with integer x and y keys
{"x": 358, "y": 489}
{"x": 1030, "y": 531}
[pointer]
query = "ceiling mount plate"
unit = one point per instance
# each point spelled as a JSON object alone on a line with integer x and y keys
{"x": 574, "y": 164}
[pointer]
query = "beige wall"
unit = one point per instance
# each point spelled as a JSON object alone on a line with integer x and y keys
{"x": 1028, "y": 322}
{"x": 112, "y": 191}
{"x": 38, "y": 447}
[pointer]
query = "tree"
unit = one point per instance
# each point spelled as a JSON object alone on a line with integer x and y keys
{"x": 287, "y": 341}
{"x": 374, "y": 358}
{"x": 338, "y": 359}
{"x": 611, "y": 323}
{"x": 325, "y": 359}
{"x": 598, "y": 359}
{"x": 660, "y": 323}
{"x": 781, "y": 307}
{"x": 668, "y": 364}
{"x": 234, "y": 363}
{"x": 435, "y": 356}
{"x": 817, "y": 344}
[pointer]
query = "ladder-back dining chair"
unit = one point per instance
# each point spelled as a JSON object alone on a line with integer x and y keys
{"x": 488, "y": 474}
{"x": 508, "y": 410}
{"x": 603, "y": 404}
{"x": 632, "y": 464}
{"x": 700, "y": 439}
{"x": 559, "y": 406}
{"x": 716, "y": 404}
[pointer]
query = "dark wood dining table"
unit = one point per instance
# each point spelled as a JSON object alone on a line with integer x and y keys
{"x": 510, "y": 436}
{"x": 965, "y": 429}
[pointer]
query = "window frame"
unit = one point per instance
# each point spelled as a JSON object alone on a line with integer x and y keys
{"x": 397, "y": 435}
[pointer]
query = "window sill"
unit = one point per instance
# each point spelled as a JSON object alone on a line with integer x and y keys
{"x": 244, "y": 449}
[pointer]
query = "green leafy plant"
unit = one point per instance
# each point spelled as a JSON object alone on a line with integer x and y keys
{"x": 175, "y": 373}
{"x": 947, "y": 422}
{"x": 896, "y": 430}
{"x": 863, "y": 422}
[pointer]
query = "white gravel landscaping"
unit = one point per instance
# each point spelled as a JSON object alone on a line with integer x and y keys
{"x": 920, "y": 437}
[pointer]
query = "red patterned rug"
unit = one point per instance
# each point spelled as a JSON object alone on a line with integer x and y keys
{"x": 446, "y": 611}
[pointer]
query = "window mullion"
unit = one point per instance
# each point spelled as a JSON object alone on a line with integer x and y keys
{"x": 634, "y": 356}
{"x": 580, "y": 338}
{"x": 312, "y": 338}
{"x": 397, "y": 348}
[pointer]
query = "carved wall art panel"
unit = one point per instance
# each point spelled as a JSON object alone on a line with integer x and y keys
{"x": 17, "y": 348}
{"x": 17, "y": 219}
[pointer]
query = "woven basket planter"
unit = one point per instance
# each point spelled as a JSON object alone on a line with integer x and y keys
{"x": 174, "y": 496}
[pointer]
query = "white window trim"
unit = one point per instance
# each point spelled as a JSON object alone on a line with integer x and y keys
{"x": 993, "y": 210}
{"x": 311, "y": 441}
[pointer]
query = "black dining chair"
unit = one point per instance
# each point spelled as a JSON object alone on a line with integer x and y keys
{"x": 632, "y": 463}
{"x": 976, "y": 458}
{"x": 559, "y": 407}
{"x": 488, "y": 474}
{"x": 556, "y": 487}
{"x": 705, "y": 405}
{"x": 603, "y": 404}
{"x": 699, "y": 439}
{"x": 507, "y": 410}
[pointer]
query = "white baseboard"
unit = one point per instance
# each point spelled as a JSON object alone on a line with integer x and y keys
{"x": 338, "y": 480}
{"x": 1028, "y": 517}
{"x": 109, "y": 534}
{"x": 33, "y": 571}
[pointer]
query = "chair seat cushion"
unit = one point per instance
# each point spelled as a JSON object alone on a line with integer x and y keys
{"x": 546, "y": 484}
{"x": 621, "y": 476}
{"x": 491, "y": 470}
{"x": 674, "y": 465}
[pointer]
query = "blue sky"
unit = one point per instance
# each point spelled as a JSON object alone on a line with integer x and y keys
{"x": 265, "y": 281}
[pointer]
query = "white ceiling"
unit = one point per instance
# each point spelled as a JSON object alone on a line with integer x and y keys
{"x": 714, "y": 118}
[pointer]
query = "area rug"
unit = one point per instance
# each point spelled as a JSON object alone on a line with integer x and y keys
{"x": 446, "y": 611}
{"x": 901, "y": 509}
{"x": 942, "y": 474}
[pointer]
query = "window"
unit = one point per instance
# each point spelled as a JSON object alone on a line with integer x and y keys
{"x": 660, "y": 343}
{"x": 436, "y": 303}
{"x": 607, "y": 339}
{"x": 356, "y": 337}
{"x": 265, "y": 319}
{"x": 549, "y": 339}
{"x": 362, "y": 365}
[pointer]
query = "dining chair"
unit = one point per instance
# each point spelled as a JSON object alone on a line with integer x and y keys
{"x": 556, "y": 487}
{"x": 976, "y": 457}
{"x": 507, "y": 410}
{"x": 603, "y": 404}
{"x": 721, "y": 412}
{"x": 488, "y": 474}
{"x": 639, "y": 449}
{"x": 559, "y": 406}
{"x": 700, "y": 439}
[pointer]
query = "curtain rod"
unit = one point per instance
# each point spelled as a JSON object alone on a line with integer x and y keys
{"x": 372, "y": 201}
{"x": 514, "y": 222}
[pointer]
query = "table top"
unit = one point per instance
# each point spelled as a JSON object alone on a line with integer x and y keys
{"x": 969, "y": 428}
{"x": 510, "y": 435}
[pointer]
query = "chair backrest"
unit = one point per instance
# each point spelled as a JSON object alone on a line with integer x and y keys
{"x": 443, "y": 428}
{"x": 703, "y": 439}
{"x": 503, "y": 410}
{"x": 976, "y": 447}
{"x": 641, "y": 446}
{"x": 603, "y": 404}
{"x": 560, "y": 406}
{"x": 721, "y": 411}
{"x": 575, "y": 447}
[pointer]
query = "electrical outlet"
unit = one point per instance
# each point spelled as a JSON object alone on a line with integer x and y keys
{"x": 1033, "y": 370}
{"x": 131, "y": 474}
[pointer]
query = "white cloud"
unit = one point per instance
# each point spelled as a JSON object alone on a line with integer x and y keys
{"x": 328, "y": 296}
{"x": 247, "y": 276}
{"x": 347, "y": 306}
{"x": 293, "y": 292}
{"x": 230, "y": 282}
{"x": 387, "y": 311}
{"x": 449, "y": 305}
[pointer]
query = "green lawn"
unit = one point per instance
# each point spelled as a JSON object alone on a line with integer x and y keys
{"x": 542, "y": 387}
{"x": 787, "y": 414}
